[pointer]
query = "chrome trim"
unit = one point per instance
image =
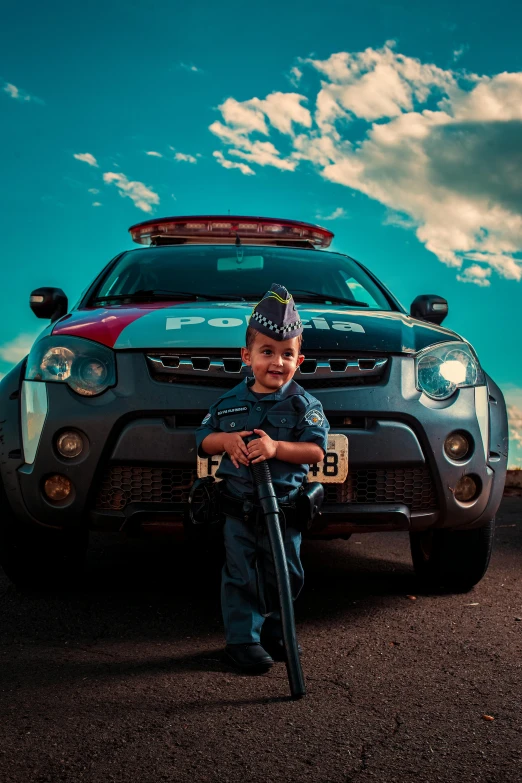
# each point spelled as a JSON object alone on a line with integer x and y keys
{"x": 184, "y": 365}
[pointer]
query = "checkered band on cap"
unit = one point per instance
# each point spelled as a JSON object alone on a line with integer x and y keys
{"x": 266, "y": 322}
{"x": 276, "y": 316}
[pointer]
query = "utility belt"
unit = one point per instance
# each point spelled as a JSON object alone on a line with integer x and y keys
{"x": 215, "y": 503}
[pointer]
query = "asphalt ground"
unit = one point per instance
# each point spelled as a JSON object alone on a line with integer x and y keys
{"x": 122, "y": 680}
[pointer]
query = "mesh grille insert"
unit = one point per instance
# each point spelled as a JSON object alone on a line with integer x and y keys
{"x": 411, "y": 486}
{"x": 122, "y": 484}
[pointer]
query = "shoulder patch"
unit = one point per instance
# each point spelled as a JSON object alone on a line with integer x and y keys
{"x": 207, "y": 417}
{"x": 314, "y": 417}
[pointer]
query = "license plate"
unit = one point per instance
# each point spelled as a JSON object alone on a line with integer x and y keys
{"x": 332, "y": 470}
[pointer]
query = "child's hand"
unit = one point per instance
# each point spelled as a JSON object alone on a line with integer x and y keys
{"x": 261, "y": 448}
{"x": 236, "y": 447}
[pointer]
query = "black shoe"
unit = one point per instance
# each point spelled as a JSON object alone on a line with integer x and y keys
{"x": 276, "y": 648}
{"x": 249, "y": 657}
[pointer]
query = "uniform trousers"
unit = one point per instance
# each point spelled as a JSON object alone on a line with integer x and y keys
{"x": 249, "y": 597}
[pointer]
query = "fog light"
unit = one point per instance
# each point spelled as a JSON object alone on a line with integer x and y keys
{"x": 57, "y": 487}
{"x": 456, "y": 445}
{"x": 69, "y": 444}
{"x": 465, "y": 489}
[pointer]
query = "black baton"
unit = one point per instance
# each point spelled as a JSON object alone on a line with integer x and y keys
{"x": 268, "y": 500}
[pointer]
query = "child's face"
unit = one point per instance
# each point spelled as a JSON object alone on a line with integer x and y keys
{"x": 273, "y": 362}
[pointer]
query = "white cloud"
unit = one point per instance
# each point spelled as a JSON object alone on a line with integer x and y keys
{"x": 143, "y": 197}
{"x": 181, "y": 156}
{"x": 282, "y": 110}
{"x": 339, "y": 212}
{"x": 20, "y": 95}
{"x": 154, "y": 154}
{"x": 86, "y": 157}
{"x": 296, "y": 75}
{"x": 379, "y": 83}
{"x": 513, "y": 397}
{"x": 515, "y": 423}
{"x": 190, "y": 67}
{"x": 440, "y": 149}
{"x": 394, "y": 218}
{"x": 229, "y": 164}
{"x": 264, "y": 154}
{"x": 245, "y": 116}
{"x": 457, "y": 53}
{"x": 15, "y": 350}
{"x": 13, "y": 91}
{"x": 96, "y": 204}
{"x": 94, "y": 191}
{"x": 496, "y": 98}
{"x": 476, "y": 274}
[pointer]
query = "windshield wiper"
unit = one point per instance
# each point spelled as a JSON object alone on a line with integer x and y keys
{"x": 160, "y": 293}
{"x": 312, "y": 296}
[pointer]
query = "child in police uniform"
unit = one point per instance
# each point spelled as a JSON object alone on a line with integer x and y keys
{"x": 291, "y": 432}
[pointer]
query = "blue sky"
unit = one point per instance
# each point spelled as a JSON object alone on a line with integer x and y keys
{"x": 396, "y": 124}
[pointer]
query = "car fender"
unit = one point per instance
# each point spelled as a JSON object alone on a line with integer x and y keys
{"x": 11, "y": 451}
{"x": 498, "y": 427}
{"x": 498, "y": 451}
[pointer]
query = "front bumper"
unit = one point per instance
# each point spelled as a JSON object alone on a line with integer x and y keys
{"x": 399, "y": 476}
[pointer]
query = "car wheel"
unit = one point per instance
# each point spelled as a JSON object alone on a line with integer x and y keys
{"x": 452, "y": 560}
{"x": 42, "y": 559}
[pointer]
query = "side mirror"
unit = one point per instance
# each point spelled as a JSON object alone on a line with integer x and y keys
{"x": 49, "y": 303}
{"x": 429, "y": 307}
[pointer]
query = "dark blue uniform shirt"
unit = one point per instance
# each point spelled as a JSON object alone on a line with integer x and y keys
{"x": 288, "y": 414}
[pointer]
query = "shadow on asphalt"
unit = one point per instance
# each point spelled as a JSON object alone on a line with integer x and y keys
{"x": 335, "y": 575}
{"x": 148, "y": 589}
{"x": 51, "y": 671}
{"x": 154, "y": 590}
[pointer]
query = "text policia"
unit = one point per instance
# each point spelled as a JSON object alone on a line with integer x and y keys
{"x": 313, "y": 323}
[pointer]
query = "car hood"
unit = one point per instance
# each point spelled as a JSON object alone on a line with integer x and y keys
{"x": 222, "y": 325}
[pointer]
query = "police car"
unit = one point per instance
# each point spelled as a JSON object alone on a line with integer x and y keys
{"x": 98, "y": 421}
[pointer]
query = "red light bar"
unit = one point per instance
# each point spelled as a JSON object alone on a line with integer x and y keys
{"x": 223, "y": 229}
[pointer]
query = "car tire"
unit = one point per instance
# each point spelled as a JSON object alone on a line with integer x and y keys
{"x": 452, "y": 560}
{"x": 42, "y": 559}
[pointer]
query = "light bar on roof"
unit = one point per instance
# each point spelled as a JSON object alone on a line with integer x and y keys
{"x": 225, "y": 228}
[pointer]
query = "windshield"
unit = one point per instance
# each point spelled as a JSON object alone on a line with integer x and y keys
{"x": 231, "y": 272}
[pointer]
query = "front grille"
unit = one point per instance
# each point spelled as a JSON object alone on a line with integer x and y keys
{"x": 122, "y": 485}
{"x": 222, "y": 371}
{"x": 411, "y": 486}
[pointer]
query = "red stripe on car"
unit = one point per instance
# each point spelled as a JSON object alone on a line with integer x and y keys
{"x": 103, "y": 324}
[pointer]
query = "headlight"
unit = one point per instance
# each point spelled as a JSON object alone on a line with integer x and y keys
{"x": 87, "y": 367}
{"x": 444, "y": 368}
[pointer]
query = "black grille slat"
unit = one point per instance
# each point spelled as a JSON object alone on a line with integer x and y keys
{"x": 122, "y": 485}
{"x": 232, "y": 365}
{"x": 201, "y": 363}
{"x": 308, "y": 366}
{"x": 338, "y": 365}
